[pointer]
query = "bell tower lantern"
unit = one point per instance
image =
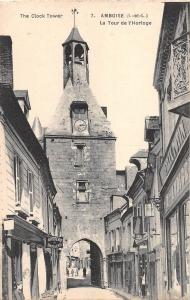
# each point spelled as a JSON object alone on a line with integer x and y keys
{"x": 75, "y": 59}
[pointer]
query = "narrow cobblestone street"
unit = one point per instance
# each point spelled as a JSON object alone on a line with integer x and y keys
{"x": 90, "y": 293}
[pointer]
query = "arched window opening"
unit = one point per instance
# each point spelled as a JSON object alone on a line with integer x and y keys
{"x": 68, "y": 54}
{"x": 79, "y": 54}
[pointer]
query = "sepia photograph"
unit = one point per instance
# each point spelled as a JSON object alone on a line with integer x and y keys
{"x": 94, "y": 150}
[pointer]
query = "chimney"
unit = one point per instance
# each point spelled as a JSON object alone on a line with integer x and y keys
{"x": 6, "y": 61}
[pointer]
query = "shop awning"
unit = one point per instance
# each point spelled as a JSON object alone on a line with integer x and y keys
{"x": 20, "y": 229}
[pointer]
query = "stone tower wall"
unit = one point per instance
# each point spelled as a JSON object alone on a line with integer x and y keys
{"x": 83, "y": 221}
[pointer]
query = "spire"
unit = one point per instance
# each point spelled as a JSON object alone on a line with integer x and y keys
{"x": 37, "y": 129}
{"x": 74, "y": 36}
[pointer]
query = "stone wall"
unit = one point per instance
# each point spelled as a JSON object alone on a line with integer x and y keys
{"x": 83, "y": 220}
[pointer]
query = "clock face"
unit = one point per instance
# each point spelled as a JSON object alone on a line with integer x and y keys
{"x": 80, "y": 125}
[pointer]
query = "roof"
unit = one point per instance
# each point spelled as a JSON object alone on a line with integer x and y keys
{"x": 126, "y": 211}
{"x": 169, "y": 20}
{"x": 23, "y": 94}
{"x": 143, "y": 153}
{"x": 120, "y": 172}
{"x": 74, "y": 36}
{"x": 113, "y": 212}
{"x": 11, "y": 111}
{"x": 60, "y": 122}
{"x": 137, "y": 184}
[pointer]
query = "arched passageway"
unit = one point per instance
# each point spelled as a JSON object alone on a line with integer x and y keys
{"x": 84, "y": 264}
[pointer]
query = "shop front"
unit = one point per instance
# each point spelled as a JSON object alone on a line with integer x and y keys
{"x": 21, "y": 241}
{"x": 52, "y": 267}
{"x": 176, "y": 207}
{"x": 129, "y": 273}
{"x": 152, "y": 278}
{"x": 32, "y": 260}
{"x": 142, "y": 269}
{"x": 115, "y": 271}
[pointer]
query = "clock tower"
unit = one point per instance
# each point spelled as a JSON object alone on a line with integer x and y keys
{"x": 75, "y": 53}
{"x": 80, "y": 146}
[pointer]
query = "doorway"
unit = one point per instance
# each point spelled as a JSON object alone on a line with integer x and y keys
{"x": 84, "y": 265}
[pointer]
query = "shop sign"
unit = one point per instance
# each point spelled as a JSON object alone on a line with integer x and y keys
{"x": 55, "y": 242}
{"x": 179, "y": 184}
{"x": 143, "y": 247}
{"x": 177, "y": 142}
{"x": 148, "y": 210}
{"x": 9, "y": 225}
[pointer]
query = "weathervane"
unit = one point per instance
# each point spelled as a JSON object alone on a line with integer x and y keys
{"x": 74, "y": 12}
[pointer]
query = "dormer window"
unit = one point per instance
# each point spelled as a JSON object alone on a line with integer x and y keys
{"x": 79, "y": 117}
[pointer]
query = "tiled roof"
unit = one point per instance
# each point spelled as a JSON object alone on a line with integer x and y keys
{"x": 143, "y": 153}
{"x": 74, "y": 36}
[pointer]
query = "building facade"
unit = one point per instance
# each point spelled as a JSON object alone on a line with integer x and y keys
{"x": 113, "y": 230}
{"x": 29, "y": 217}
{"x": 152, "y": 188}
{"x": 171, "y": 79}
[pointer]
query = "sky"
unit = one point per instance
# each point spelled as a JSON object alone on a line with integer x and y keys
{"x": 121, "y": 59}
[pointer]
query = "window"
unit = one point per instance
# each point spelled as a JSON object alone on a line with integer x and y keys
{"x": 173, "y": 253}
{"x": 110, "y": 240}
{"x": 68, "y": 55}
{"x": 134, "y": 211}
{"x": 79, "y": 111}
{"x": 30, "y": 184}
{"x": 79, "y": 158}
{"x": 111, "y": 203}
{"x": 50, "y": 212}
{"x": 186, "y": 247}
{"x": 129, "y": 238}
{"x": 79, "y": 54}
{"x": 82, "y": 191}
{"x": 113, "y": 240}
{"x": 118, "y": 239}
{"x": 139, "y": 210}
{"x": 18, "y": 178}
{"x": 79, "y": 117}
